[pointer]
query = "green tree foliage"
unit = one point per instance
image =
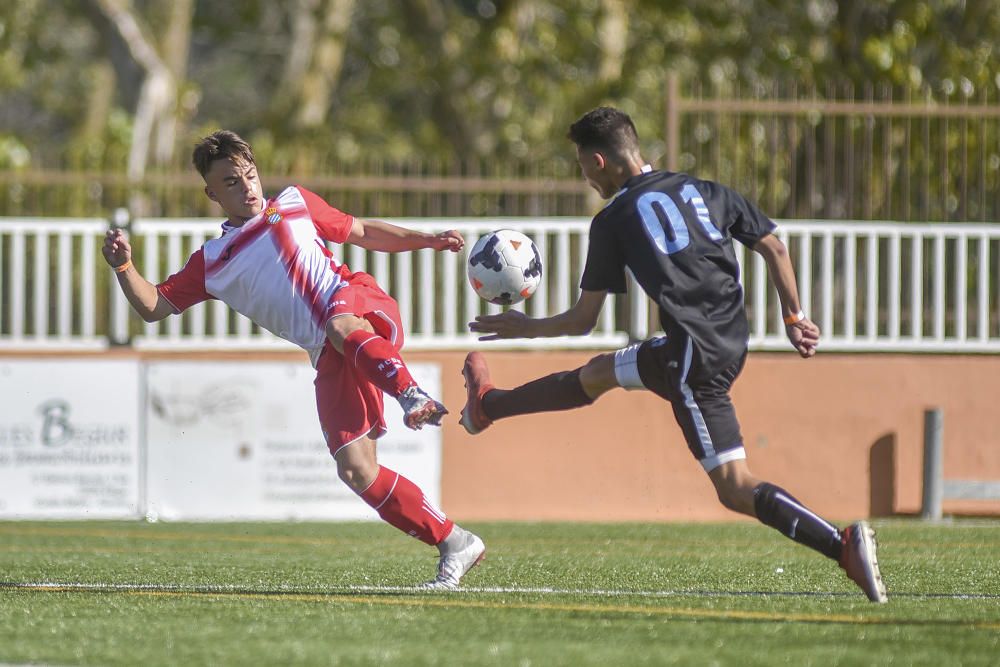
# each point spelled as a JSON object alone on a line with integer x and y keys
{"x": 445, "y": 80}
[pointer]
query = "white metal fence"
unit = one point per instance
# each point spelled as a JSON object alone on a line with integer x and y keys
{"x": 870, "y": 286}
{"x": 49, "y": 277}
{"x": 881, "y": 286}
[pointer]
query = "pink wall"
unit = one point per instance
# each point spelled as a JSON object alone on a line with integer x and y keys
{"x": 816, "y": 427}
{"x": 843, "y": 433}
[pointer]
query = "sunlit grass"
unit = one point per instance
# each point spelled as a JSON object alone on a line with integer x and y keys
{"x": 319, "y": 593}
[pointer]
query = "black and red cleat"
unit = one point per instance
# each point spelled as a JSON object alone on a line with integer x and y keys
{"x": 420, "y": 409}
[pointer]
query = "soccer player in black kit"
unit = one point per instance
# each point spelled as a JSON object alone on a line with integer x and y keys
{"x": 674, "y": 232}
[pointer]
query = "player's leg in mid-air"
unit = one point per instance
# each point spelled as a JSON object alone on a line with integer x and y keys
{"x": 364, "y": 326}
{"x": 559, "y": 391}
{"x": 351, "y": 415}
{"x": 705, "y": 413}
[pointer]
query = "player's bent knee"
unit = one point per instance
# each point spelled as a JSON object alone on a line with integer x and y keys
{"x": 340, "y": 327}
{"x": 727, "y": 498}
{"x": 598, "y": 375}
{"x": 357, "y": 475}
{"x": 734, "y": 495}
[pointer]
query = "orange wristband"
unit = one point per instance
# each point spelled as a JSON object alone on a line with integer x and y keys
{"x": 795, "y": 318}
{"x": 124, "y": 267}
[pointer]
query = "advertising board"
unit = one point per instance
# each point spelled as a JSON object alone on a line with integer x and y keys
{"x": 241, "y": 440}
{"x": 70, "y": 439}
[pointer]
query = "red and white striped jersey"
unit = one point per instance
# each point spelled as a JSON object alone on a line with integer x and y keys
{"x": 274, "y": 269}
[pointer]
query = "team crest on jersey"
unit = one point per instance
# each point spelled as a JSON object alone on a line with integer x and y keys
{"x": 272, "y": 216}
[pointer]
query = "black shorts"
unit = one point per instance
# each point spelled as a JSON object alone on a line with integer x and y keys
{"x": 703, "y": 408}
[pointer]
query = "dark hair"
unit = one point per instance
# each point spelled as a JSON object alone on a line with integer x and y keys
{"x": 220, "y": 145}
{"x": 605, "y": 128}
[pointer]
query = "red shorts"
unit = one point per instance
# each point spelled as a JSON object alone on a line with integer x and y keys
{"x": 349, "y": 405}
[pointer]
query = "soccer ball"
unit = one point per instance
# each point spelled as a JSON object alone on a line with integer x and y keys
{"x": 504, "y": 267}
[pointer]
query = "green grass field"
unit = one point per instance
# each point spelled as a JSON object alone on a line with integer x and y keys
{"x": 548, "y": 594}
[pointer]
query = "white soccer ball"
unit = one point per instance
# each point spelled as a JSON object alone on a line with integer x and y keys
{"x": 504, "y": 267}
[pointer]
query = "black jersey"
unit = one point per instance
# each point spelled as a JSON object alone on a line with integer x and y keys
{"x": 674, "y": 232}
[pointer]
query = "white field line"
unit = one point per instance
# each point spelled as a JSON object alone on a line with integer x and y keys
{"x": 508, "y": 590}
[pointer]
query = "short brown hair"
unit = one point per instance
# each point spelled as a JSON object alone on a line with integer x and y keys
{"x": 220, "y": 145}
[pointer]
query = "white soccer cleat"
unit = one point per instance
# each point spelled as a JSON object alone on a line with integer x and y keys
{"x": 859, "y": 561}
{"x": 420, "y": 409}
{"x": 456, "y": 564}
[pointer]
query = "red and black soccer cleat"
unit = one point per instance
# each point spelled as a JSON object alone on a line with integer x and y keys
{"x": 477, "y": 383}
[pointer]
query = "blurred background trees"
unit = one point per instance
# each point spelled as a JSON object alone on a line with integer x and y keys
{"x": 128, "y": 85}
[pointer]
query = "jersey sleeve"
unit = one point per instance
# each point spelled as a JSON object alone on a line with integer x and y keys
{"x": 604, "y": 270}
{"x": 186, "y": 287}
{"x": 748, "y": 224}
{"x": 331, "y": 224}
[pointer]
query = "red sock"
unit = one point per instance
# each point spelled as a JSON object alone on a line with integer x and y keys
{"x": 402, "y": 504}
{"x": 378, "y": 361}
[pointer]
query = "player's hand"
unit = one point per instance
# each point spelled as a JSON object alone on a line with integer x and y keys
{"x": 116, "y": 248}
{"x": 449, "y": 240}
{"x": 509, "y": 324}
{"x": 804, "y": 336}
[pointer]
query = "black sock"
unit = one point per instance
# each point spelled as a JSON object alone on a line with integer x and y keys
{"x": 777, "y": 508}
{"x": 559, "y": 391}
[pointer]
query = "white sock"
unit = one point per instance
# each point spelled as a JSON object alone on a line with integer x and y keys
{"x": 456, "y": 540}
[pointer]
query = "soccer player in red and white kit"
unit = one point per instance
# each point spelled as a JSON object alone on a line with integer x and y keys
{"x": 271, "y": 265}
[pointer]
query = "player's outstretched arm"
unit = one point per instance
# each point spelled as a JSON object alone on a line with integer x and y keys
{"x": 386, "y": 237}
{"x": 802, "y": 332}
{"x": 577, "y": 321}
{"x": 141, "y": 293}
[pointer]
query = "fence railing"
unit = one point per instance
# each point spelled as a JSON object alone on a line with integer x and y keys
{"x": 870, "y": 286}
{"x": 850, "y": 151}
{"x": 836, "y": 151}
{"x": 435, "y": 298}
{"x": 885, "y": 286}
{"x": 474, "y": 188}
{"x": 51, "y": 283}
